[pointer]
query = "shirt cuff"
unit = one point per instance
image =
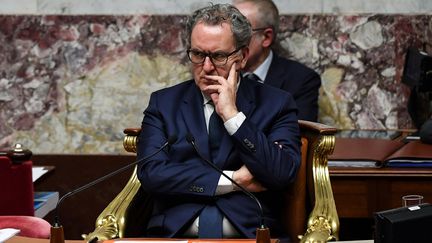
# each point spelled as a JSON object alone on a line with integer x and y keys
{"x": 224, "y": 185}
{"x": 233, "y": 124}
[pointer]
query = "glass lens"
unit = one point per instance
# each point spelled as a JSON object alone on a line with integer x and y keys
{"x": 196, "y": 56}
{"x": 219, "y": 58}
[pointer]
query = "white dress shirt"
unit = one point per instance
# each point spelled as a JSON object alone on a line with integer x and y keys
{"x": 262, "y": 70}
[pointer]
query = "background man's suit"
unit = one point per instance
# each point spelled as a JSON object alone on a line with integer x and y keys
{"x": 182, "y": 183}
{"x": 302, "y": 82}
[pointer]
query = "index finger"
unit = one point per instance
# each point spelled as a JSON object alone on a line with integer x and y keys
{"x": 233, "y": 74}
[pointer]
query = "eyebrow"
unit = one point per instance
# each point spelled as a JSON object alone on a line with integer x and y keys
{"x": 218, "y": 51}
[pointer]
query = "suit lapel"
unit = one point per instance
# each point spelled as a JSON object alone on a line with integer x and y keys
{"x": 245, "y": 100}
{"x": 193, "y": 115}
{"x": 275, "y": 74}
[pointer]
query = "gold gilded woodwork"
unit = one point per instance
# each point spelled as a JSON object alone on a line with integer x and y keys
{"x": 106, "y": 228}
{"x": 319, "y": 231}
{"x": 111, "y": 222}
{"x": 130, "y": 143}
{"x": 322, "y": 223}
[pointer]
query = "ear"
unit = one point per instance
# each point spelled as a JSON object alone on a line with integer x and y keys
{"x": 269, "y": 36}
{"x": 245, "y": 56}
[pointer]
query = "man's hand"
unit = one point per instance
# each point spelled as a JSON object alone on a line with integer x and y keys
{"x": 244, "y": 178}
{"x": 225, "y": 96}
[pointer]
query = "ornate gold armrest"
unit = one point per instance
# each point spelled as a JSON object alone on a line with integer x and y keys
{"x": 323, "y": 222}
{"x": 111, "y": 222}
{"x": 131, "y": 138}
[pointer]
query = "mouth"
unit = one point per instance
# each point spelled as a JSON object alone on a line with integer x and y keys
{"x": 209, "y": 81}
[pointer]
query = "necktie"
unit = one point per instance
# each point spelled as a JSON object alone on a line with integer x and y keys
{"x": 210, "y": 219}
{"x": 210, "y": 223}
{"x": 254, "y": 77}
{"x": 215, "y": 133}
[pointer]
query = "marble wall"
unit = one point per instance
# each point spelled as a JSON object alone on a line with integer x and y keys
{"x": 70, "y": 83}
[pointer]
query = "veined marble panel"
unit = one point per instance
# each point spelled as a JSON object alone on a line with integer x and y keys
{"x": 380, "y": 6}
{"x": 71, "y": 84}
{"x": 168, "y": 7}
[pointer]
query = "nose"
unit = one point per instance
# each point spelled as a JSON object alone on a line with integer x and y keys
{"x": 208, "y": 65}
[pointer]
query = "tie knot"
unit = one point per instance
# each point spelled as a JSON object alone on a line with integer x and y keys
{"x": 253, "y": 76}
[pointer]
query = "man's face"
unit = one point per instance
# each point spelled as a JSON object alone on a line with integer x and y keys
{"x": 215, "y": 41}
{"x": 262, "y": 36}
{"x": 256, "y": 48}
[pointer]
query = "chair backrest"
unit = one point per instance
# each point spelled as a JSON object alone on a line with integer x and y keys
{"x": 16, "y": 184}
{"x": 310, "y": 212}
{"x": 296, "y": 199}
{"x": 17, "y": 202}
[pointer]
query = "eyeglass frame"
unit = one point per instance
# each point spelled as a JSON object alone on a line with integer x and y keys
{"x": 262, "y": 28}
{"x": 209, "y": 55}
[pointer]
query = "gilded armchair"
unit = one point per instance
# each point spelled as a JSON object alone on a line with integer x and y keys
{"x": 310, "y": 213}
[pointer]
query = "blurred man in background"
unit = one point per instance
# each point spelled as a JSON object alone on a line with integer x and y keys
{"x": 302, "y": 82}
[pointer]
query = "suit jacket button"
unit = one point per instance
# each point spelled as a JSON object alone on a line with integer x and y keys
{"x": 249, "y": 144}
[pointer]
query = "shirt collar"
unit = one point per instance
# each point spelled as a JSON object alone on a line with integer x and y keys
{"x": 262, "y": 69}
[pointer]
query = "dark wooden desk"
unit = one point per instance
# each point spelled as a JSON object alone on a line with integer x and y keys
{"x": 359, "y": 192}
{"x": 78, "y": 213}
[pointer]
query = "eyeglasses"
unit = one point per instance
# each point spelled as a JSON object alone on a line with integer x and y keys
{"x": 217, "y": 58}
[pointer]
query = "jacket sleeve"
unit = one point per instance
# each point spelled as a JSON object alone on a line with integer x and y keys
{"x": 272, "y": 154}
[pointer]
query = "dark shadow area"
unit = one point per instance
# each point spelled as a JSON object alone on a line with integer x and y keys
{"x": 356, "y": 228}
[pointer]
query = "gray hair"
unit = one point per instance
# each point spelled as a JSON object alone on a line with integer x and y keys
{"x": 218, "y": 14}
{"x": 268, "y": 14}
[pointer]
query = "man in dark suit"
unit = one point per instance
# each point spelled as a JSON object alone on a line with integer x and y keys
{"x": 257, "y": 143}
{"x": 302, "y": 82}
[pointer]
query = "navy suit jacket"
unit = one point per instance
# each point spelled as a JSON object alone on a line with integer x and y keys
{"x": 182, "y": 184}
{"x": 302, "y": 82}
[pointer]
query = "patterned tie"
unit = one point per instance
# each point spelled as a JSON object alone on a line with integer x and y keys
{"x": 210, "y": 219}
